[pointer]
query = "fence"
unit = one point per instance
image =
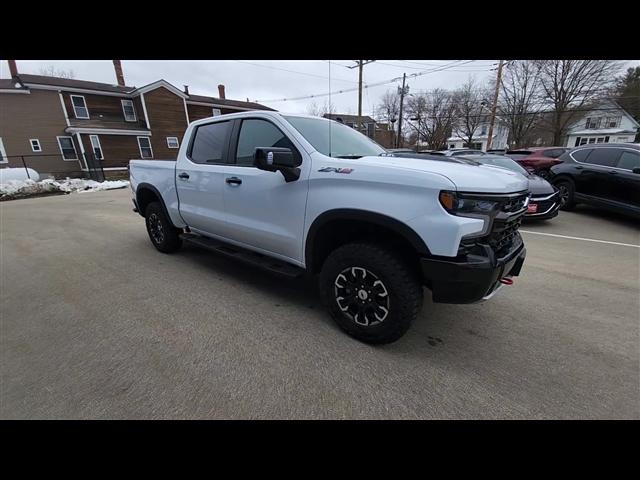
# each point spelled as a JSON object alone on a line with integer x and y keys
{"x": 48, "y": 165}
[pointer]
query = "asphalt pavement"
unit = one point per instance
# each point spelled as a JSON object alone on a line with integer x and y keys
{"x": 95, "y": 323}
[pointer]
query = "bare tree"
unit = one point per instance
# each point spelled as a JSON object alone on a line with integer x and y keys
{"x": 519, "y": 103}
{"x": 389, "y": 108}
{"x": 319, "y": 111}
{"x": 571, "y": 84}
{"x": 432, "y": 115}
{"x": 51, "y": 71}
{"x": 470, "y": 101}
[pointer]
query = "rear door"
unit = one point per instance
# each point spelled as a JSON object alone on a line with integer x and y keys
{"x": 263, "y": 210}
{"x": 200, "y": 178}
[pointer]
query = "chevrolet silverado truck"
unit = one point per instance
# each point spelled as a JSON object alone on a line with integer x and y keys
{"x": 305, "y": 195}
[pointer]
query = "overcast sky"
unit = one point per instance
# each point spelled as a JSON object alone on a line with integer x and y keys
{"x": 270, "y": 80}
{"x": 262, "y": 81}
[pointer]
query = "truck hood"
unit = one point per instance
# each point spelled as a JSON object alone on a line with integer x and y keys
{"x": 466, "y": 178}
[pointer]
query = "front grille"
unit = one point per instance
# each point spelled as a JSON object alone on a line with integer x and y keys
{"x": 504, "y": 236}
{"x": 515, "y": 204}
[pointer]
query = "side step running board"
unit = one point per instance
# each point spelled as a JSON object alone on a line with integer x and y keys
{"x": 247, "y": 256}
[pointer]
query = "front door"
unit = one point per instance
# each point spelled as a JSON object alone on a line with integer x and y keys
{"x": 594, "y": 177}
{"x": 263, "y": 210}
{"x": 627, "y": 186}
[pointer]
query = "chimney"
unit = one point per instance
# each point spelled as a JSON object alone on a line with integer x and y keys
{"x": 119, "y": 75}
{"x": 221, "y": 91}
{"x": 186, "y": 89}
{"x": 13, "y": 69}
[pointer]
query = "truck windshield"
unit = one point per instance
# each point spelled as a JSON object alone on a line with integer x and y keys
{"x": 334, "y": 139}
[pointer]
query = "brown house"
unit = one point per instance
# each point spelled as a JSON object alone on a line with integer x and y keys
{"x": 378, "y": 132}
{"x": 65, "y": 126}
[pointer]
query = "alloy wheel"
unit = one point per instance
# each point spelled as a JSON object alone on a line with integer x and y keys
{"x": 362, "y": 296}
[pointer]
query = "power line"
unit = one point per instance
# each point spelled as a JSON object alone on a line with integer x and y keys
{"x": 293, "y": 71}
{"x": 386, "y": 82}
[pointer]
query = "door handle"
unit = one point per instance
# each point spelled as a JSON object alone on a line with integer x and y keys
{"x": 579, "y": 167}
{"x": 613, "y": 172}
{"x": 233, "y": 181}
{"x": 183, "y": 175}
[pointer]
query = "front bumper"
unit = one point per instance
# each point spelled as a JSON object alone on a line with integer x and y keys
{"x": 471, "y": 278}
{"x": 546, "y": 206}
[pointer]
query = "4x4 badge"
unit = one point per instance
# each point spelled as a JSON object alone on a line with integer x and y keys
{"x": 336, "y": 170}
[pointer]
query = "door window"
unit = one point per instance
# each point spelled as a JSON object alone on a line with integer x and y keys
{"x": 259, "y": 133}
{"x": 629, "y": 160}
{"x": 210, "y": 142}
{"x": 581, "y": 155}
{"x": 605, "y": 157}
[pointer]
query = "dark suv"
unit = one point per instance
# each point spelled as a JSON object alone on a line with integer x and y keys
{"x": 606, "y": 175}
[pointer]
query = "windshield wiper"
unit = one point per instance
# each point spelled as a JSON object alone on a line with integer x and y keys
{"x": 348, "y": 156}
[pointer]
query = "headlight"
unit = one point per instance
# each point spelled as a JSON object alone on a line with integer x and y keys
{"x": 467, "y": 206}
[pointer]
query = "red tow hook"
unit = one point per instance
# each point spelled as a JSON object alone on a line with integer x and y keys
{"x": 506, "y": 281}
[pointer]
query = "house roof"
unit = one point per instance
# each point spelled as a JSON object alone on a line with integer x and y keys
{"x": 349, "y": 118}
{"x": 601, "y": 131}
{"x": 73, "y": 83}
{"x": 124, "y": 90}
{"x": 227, "y": 102}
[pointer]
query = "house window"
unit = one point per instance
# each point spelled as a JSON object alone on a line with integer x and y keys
{"x": 67, "y": 148}
{"x": 3, "y": 153}
{"x": 483, "y": 130}
{"x": 577, "y": 142}
{"x": 452, "y": 145}
{"x": 79, "y": 106}
{"x": 622, "y": 139}
{"x": 144, "y": 143}
{"x": 592, "y": 123}
{"x": 129, "y": 111}
{"x": 95, "y": 146}
{"x": 371, "y": 129}
{"x": 35, "y": 145}
{"x": 172, "y": 142}
{"x": 612, "y": 122}
{"x": 583, "y": 141}
{"x": 216, "y": 112}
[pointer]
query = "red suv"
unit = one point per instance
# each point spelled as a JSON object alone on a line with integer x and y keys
{"x": 539, "y": 159}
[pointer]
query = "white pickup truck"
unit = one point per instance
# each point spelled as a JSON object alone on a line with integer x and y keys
{"x": 296, "y": 194}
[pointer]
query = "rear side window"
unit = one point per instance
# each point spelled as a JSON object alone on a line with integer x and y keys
{"x": 210, "y": 142}
{"x": 629, "y": 160}
{"x": 605, "y": 157}
{"x": 554, "y": 152}
{"x": 258, "y": 133}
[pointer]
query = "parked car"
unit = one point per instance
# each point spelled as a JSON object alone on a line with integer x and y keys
{"x": 539, "y": 159}
{"x": 603, "y": 175}
{"x": 545, "y": 198}
{"x": 289, "y": 194}
{"x": 458, "y": 151}
{"x": 497, "y": 151}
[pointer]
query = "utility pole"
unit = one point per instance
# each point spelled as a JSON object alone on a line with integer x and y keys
{"x": 495, "y": 105}
{"x": 403, "y": 92}
{"x": 360, "y": 64}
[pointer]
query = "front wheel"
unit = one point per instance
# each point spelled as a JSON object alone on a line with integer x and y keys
{"x": 567, "y": 191}
{"x": 370, "y": 291}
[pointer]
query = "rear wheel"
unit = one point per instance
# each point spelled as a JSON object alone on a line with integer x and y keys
{"x": 164, "y": 236}
{"x": 567, "y": 191}
{"x": 370, "y": 292}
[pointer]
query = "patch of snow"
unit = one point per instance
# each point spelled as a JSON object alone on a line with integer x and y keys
{"x": 14, "y": 188}
{"x": 7, "y": 174}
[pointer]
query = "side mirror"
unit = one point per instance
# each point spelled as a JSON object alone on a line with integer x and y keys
{"x": 277, "y": 159}
{"x": 636, "y": 170}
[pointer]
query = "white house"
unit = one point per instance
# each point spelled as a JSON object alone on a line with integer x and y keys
{"x": 607, "y": 123}
{"x": 481, "y": 136}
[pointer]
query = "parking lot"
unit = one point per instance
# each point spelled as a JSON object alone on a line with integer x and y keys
{"x": 97, "y": 324}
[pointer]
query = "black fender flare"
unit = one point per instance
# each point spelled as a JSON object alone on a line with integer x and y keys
{"x": 375, "y": 218}
{"x": 147, "y": 186}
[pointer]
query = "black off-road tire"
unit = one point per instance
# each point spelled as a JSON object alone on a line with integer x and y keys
{"x": 405, "y": 293}
{"x": 164, "y": 236}
{"x": 567, "y": 190}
